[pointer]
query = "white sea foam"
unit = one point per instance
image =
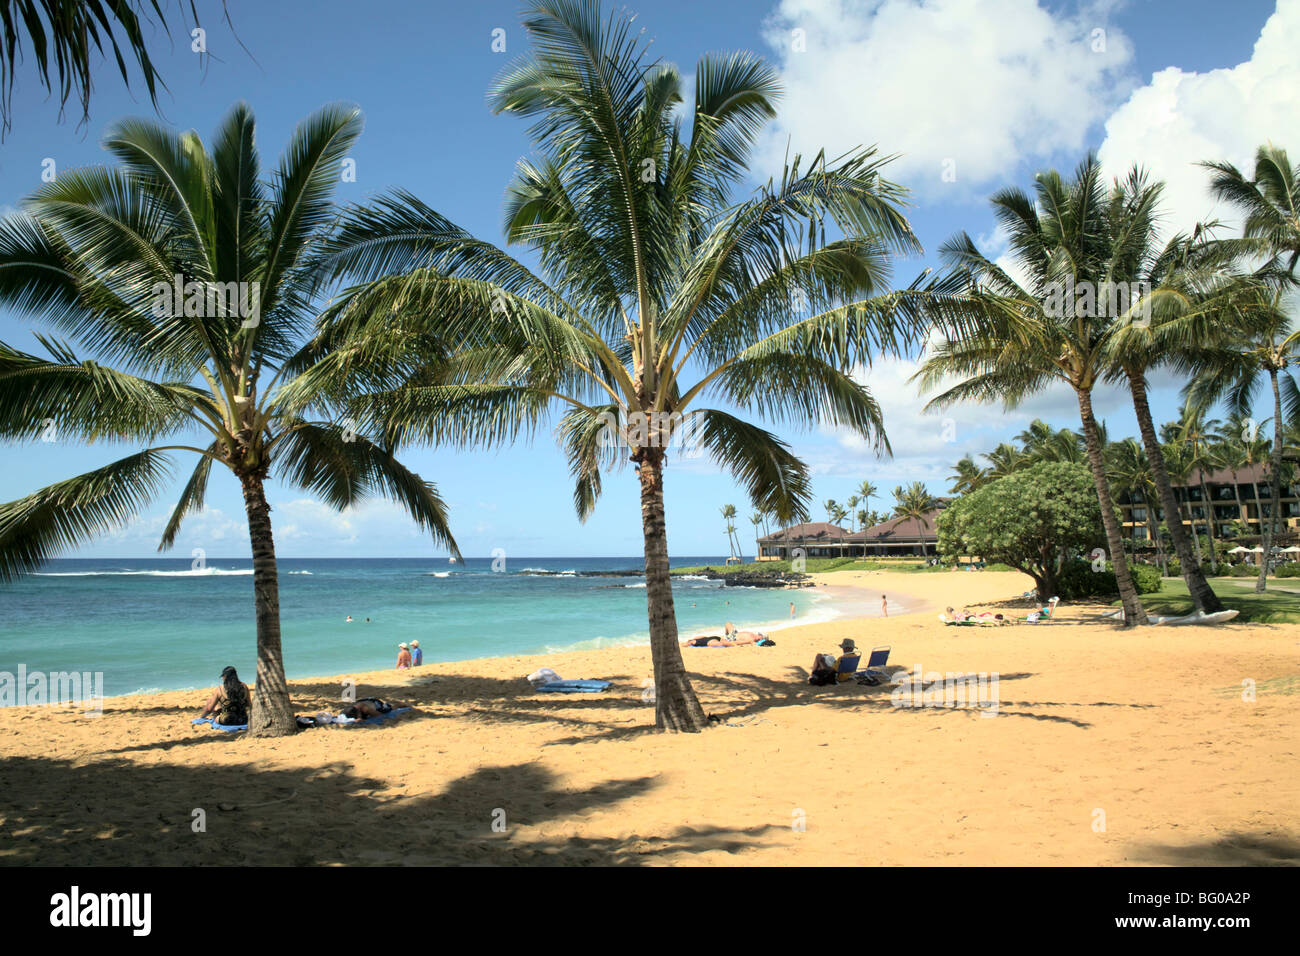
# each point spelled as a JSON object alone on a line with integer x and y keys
{"x": 192, "y": 573}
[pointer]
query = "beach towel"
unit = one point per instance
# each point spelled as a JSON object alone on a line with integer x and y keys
{"x": 576, "y": 686}
{"x": 951, "y": 623}
{"x": 224, "y": 728}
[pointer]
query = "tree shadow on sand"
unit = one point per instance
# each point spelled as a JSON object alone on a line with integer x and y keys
{"x": 114, "y": 811}
{"x": 1234, "y": 849}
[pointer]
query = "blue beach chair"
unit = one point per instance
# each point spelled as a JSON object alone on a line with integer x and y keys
{"x": 872, "y": 674}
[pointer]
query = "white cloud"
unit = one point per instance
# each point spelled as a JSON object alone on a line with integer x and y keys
{"x": 1180, "y": 119}
{"x": 986, "y": 85}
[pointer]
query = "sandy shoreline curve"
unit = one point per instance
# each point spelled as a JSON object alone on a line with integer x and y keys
{"x": 1108, "y": 747}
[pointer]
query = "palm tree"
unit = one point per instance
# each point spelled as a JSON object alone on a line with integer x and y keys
{"x": 1161, "y": 322}
{"x": 1042, "y": 442}
{"x": 1257, "y": 352}
{"x": 97, "y": 254}
{"x": 852, "y": 509}
{"x": 69, "y": 35}
{"x": 833, "y": 510}
{"x": 1013, "y": 340}
{"x": 969, "y": 476}
{"x": 655, "y": 289}
{"x": 914, "y": 502}
{"x": 1130, "y": 472}
{"x": 1265, "y": 343}
{"x": 1179, "y": 465}
{"x": 729, "y": 514}
{"x": 756, "y": 519}
{"x": 1196, "y": 432}
{"x": 1004, "y": 460}
{"x": 867, "y": 491}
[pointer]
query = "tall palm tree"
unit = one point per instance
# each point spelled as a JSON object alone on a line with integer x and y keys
{"x": 867, "y": 491}
{"x": 1130, "y": 472}
{"x": 1177, "y": 284}
{"x": 851, "y": 507}
{"x": 1266, "y": 343}
{"x": 915, "y": 502}
{"x": 969, "y": 476}
{"x": 1257, "y": 352}
{"x": 1196, "y": 432}
{"x": 1014, "y": 340}
{"x": 1042, "y": 442}
{"x": 728, "y": 515}
{"x": 756, "y": 519}
{"x": 99, "y": 254}
{"x": 656, "y": 289}
{"x": 833, "y": 510}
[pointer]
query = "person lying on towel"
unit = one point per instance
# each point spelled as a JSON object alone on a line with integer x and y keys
{"x": 741, "y": 637}
{"x": 230, "y": 703}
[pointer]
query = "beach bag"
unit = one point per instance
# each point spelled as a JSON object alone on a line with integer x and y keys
{"x": 544, "y": 676}
{"x": 822, "y": 676}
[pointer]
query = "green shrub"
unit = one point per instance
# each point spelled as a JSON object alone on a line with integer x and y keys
{"x": 1175, "y": 568}
{"x": 1078, "y": 580}
{"x": 1237, "y": 571}
{"x": 1289, "y": 570}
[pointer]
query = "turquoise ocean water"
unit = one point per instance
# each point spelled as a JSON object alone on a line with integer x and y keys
{"x": 159, "y": 624}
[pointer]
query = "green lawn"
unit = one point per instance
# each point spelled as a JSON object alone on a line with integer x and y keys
{"x": 1271, "y": 607}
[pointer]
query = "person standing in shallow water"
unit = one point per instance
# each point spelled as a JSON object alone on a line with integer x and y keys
{"x": 884, "y": 606}
{"x": 417, "y": 655}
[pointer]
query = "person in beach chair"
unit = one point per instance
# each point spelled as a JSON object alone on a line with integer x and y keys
{"x": 1045, "y": 615}
{"x": 828, "y": 669}
{"x": 230, "y": 703}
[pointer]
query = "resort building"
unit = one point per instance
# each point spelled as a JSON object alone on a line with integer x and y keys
{"x": 820, "y": 539}
{"x": 1236, "y": 501}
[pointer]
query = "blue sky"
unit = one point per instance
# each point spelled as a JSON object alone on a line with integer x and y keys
{"x": 989, "y": 91}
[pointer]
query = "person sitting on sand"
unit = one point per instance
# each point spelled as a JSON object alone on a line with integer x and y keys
{"x": 403, "y": 657}
{"x": 230, "y": 704}
{"x": 417, "y": 655}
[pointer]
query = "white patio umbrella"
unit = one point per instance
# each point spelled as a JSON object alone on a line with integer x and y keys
{"x": 1238, "y": 550}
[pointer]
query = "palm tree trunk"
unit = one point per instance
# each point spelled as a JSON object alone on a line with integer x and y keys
{"x": 1275, "y": 486}
{"x": 1134, "y": 613}
{"x": 272, "y": 714}
{"x": 676, "y": 706}
{"x": 1203, "y": 595}
{"x": 1209, "y": 523}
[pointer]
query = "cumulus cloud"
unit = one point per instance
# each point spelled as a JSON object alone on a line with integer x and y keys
{"x": 1180, "y": 119}
{"x": 983, "y": 86}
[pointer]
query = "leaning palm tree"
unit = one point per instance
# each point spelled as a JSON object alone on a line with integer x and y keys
{"x": 1171, "y": 309}
{"x": 914, "y": 502}
{"x": 1020, "y": 338}
{"x": 656, "y": 289}
{"x": 184, "y": 279}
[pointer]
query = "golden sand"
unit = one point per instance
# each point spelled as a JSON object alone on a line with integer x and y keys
{"x": 1108, "y": 747}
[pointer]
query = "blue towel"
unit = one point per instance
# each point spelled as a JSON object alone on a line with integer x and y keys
{"x": 216, "y": 726}
{"x": 576, "y": 686}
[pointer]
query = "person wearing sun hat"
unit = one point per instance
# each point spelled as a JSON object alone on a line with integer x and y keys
{"x": 403, "y": 657}
{"x": 417, "y": 655}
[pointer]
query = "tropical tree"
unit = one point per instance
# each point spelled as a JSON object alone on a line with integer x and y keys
{"x": 1130, "y": 472}
{"x": 914, "y": 502}
{"x": 851, "y": 508}
{"x": 1006, "y": 459}
{"x": 969, "y": 476}
{"x": 1042, "y": 442}
{"x": 1196, "y": 432}
{"x": 728, "y": 516}
{"x": 1015, "y": 339}
{"x": 833, "y": 510}
{"x": 656, "y": 289}
{"x": 1176, "y": 284}
{"x": 756, "y": 519}
{"x": 67, "y": 36}
{"x": 867, "y": 491}
{"x": 1266, "y": 344}
{"x": 1257, "y": 353}
{"x": 184, "y": 278}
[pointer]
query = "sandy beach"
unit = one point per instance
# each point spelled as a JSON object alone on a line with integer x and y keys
{"x": 1107, "y": 748}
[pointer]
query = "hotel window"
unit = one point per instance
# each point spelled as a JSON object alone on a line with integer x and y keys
{"x": 1139, "y": 514}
